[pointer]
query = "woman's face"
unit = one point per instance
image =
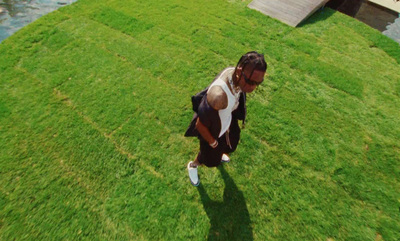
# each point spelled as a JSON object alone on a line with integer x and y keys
{"x": 248, "y": 82}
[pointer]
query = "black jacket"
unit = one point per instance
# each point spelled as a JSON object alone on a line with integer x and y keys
{"x": 209, "y": 116}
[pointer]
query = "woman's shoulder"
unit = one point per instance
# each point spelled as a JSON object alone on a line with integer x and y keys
{"x": 224, "y": 73}
{"x": 217, "y": 98}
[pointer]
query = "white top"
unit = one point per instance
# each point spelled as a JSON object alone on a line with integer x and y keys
{"x": 225, "y": 115}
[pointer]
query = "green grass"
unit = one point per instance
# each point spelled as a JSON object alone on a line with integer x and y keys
{"x": 95, "y": 99}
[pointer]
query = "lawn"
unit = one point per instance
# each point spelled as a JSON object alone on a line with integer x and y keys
{"x": 95, "y": 99}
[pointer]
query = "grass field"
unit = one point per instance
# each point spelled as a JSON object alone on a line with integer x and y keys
{"x": 95, "y": 99}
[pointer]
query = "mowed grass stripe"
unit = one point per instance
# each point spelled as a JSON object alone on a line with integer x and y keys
{"x": 145, "y": 82}
{"x": 150, "y": 58}
{"x": 321, "y": 148}
{"x": 155, "y": 31}
{"x": 280, "y": 172}
{"x": 331, "y": 74}
{"x": 75, "y": 165}
{"x": 131, "y": 87}
{"x": 55, "y": 184}
{"x": 150, "y": 120}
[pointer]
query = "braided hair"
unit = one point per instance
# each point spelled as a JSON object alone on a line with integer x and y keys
{"x": 254, "y": 60}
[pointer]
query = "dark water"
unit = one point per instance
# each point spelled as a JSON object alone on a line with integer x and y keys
{"x": 14, "y": 14}
{"x": 383, "y": 19}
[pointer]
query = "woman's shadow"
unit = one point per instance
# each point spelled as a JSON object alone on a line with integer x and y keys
{"x": 230, "y": 219}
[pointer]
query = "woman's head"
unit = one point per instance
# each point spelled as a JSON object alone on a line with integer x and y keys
{"x": 250, "y": 71}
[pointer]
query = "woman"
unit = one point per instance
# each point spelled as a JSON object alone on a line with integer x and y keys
{"x": 220, "y": 107}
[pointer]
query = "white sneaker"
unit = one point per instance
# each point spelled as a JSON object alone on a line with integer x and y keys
{"x": 193, "y": 176}
{"x": 225, "y": 158}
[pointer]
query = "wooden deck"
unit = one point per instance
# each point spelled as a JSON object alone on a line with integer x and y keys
{"x": 390, "y": 4}
{"x": 291, "y": 12}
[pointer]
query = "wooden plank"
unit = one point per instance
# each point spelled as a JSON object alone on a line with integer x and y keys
{"x": 291, "y": 12}
{"x": 390, "y": 4}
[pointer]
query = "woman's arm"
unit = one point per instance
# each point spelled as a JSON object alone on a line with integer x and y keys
{"x": 204, "y": 132}
{"x": 217, "y": 100}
